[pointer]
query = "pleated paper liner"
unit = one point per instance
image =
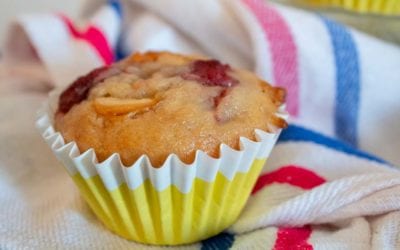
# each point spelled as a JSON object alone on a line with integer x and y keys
{"x": 175, "y": 204}
{"x": 383, "y": 7}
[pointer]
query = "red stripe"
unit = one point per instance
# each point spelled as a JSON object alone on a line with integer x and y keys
{"x": 283, "y": 50}
{"x": 296, "y": 237}
{"x": 293, "y": 175}
{"x": 293, "y": 238}
{"x": 93, "y": 36}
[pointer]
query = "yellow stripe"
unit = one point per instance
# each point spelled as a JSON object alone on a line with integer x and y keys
{"x": 170, "y": 217}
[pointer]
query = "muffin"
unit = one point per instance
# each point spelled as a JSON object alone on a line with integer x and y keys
{"x": 172, "y": 145}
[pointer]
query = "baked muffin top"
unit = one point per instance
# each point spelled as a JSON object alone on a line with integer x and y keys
{"x": 159, "y": 103}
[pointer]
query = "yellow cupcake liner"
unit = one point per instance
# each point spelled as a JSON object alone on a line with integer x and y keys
{"x": 170, "y": 217}
{"x": 384, "y": 7}
{"x": 175, "y": 204}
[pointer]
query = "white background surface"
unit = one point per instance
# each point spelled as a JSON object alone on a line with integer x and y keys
{"x": 9, "y": 9}
{"x": 385, "y": 28}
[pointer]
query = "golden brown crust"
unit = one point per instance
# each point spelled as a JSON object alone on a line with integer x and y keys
{"x": 150, "y": 108}
{"x": 152, "y": 56}
{"x": 145, "y": 57}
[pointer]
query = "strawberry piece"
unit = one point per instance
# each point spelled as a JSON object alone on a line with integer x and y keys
{"x": 210, "y": 73}
{"x": 79, "y": 89}
{"x": 218, "y": 98}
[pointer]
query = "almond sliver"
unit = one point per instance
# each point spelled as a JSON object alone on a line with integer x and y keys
{"x": 117, "y": 106}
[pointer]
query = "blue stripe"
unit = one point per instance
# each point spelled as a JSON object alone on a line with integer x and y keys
{"x": 116, "y": 5}
{"x": 347, "y": 82}
{"x": 296, "y": 133}
{"x": 222, "y": 241}
{"x": 118, "y": 50}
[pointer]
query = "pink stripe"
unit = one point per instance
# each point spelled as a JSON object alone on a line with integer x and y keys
{"x": 93, "y": 36}
{"x": 293, "y": 175}
{"x": 291, "y": 237}
{"x": 283, "y": 50}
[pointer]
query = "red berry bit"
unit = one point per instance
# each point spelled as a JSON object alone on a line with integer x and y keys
{"x": 79, "y": 90}
{"x": 218, "y": 98}
{"x": 211, "y": 73}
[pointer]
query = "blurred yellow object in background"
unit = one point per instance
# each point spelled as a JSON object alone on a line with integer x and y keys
{"x": 380, "y": 18}
{"x": 384, "y": 7}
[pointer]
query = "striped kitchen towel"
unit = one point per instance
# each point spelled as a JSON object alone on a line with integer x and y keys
{"x": 321, "y": 190}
